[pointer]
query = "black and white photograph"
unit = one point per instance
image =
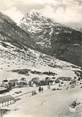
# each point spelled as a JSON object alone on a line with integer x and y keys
{"x": 40, "y": 58}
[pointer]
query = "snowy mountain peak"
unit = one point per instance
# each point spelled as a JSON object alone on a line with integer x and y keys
{"x": 53, "y": 38}
{"x": 35, "y": 14}
{"x": 17, "y": 51}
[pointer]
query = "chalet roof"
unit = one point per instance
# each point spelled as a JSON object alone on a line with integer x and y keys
{"x": 5, "y": 81}
{"x": 14, "y": 80}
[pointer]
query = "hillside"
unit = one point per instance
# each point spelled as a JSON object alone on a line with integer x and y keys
{"x": 53, "y": 38}
{"x": 14, "y": 58}
{"x": 17, "y": 52}
{"x": 22, "y": 57}
{"x": 10, "y": 32}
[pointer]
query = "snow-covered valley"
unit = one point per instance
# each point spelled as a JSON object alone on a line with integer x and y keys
{"x": 32, "y": 83}
{"x": 16, "y": 64}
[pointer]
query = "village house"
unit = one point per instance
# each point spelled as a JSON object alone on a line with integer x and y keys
{"x": 34, "y": 81}
{"x": 13, "y": 83}
{"x": 22, "y": 82}
{"x": 5, "y": 83}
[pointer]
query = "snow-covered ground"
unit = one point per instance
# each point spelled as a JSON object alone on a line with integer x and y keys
{"x": 48, "y": 104}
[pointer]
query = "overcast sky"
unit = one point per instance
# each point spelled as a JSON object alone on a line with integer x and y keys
{"x": 66, "y": 11}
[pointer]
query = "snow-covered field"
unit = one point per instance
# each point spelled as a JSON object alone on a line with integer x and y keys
{"x": 48, "y": 104}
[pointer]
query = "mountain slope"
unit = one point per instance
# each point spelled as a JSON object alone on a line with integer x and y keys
{"x": 17, "y": 44}
{"x": 53, "y": 38}
{"x": 10, "y": 32}
{"x": 16, "y": 62}
{"x": 17, "y": 52}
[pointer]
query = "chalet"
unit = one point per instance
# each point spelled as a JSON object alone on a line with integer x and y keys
{"x": 34, "y": 81}
{"x": 13, "y": 83}
{"x": 5, "y": 83}
{"x": 22, "y": 82}
{"x": 48, "y": 81}
{"x": 73, "y": 83}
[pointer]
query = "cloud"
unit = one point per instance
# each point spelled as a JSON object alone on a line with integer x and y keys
{"x": 63, "y": 14}
{"x": 14, "y": 13}
{"x": 60, "y": 10}
{"x": 5, "y": 4}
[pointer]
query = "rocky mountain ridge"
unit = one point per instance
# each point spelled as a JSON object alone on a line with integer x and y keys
{"x": 18, "y": 51}
{"x": 53, "y": 38}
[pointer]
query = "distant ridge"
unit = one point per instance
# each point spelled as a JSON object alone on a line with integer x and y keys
{"x": 53, "y": 38}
